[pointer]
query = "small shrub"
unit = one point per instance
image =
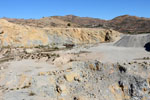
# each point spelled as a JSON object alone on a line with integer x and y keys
{"x": 69, "y": 24}
{"x": 31, "y": 94}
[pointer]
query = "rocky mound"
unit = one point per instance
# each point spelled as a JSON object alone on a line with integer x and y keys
{"x": 26, "y": 36}
{"x": 133, "y": 40}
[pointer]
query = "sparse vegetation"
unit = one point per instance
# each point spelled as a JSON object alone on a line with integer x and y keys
{"x": 69, "y": 45}
{"x": 1, "y": 32}
{"x": 69, "y": 24}
{"x": 32, "y": 93}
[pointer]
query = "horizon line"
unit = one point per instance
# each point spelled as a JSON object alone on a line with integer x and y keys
{"x": 74, "y": 15}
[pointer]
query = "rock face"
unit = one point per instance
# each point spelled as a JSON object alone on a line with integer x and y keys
{"x": 25, "y": 36}
{"x": 133, "y": 40}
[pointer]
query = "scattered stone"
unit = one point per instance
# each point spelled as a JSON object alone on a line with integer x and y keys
{"x": 122, "y": 69}
{"x": 61, "y": 89}
{"x": 29, "y": 51}
{"x": 94, "y": 66}
{"x": 71, "y": 76}
{"x": 1, "y": 68}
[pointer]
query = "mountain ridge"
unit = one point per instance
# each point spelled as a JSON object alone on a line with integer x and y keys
{"x": 123, "y": 23}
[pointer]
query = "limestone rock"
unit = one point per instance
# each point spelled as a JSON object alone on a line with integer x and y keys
{"x": 29, "y": 51}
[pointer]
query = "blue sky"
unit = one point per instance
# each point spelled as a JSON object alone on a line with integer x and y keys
{"x": 104, "y": 9}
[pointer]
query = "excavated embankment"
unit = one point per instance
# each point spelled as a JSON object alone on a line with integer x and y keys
{"x": 26, "y": 36}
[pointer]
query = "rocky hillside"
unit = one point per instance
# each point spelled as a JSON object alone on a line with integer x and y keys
{"x": 125, "y": 24}
{"x": 130, "y": 24}
{"x": 25, "y": 36}
{"x": 82, "y": 21}
{"x": 43, "y": 22}
{"x": 59, "y": 21}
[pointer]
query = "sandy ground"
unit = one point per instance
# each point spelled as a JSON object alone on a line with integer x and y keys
{"x": 128, "y": 48}
{"x": 112, "y": 53}
{"x": 104, "y": 52}
{"x": 107, "y": 53}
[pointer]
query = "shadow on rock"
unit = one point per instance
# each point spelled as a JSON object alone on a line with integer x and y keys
{"x": 147, "y": 46}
